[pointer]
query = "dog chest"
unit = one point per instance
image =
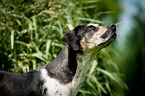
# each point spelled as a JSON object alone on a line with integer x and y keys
{"x": 53, "y": 87}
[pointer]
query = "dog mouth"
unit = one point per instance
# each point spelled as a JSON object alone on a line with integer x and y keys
{"x": 109, "y": 36}
{"x": 109, "y": 41}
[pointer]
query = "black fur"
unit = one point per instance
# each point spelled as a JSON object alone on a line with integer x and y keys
{"x": 27, "y": 84}
{"x": 72, "y": 38}
{"x": 63, "y": 67}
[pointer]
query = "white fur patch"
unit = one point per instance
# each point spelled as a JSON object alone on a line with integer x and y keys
{"x": 96, "y": 25}
{"x": 53, "y": 86}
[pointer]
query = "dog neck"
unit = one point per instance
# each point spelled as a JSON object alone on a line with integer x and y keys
{"x": 83, "y": 63}
{"x": 63, "y": 67}
{"x": 70, "y": 68}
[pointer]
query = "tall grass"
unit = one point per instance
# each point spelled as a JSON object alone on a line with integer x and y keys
{"x": 31, "y": 32}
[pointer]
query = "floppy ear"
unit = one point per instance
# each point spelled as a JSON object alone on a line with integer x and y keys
{"x": 72, "y": 39}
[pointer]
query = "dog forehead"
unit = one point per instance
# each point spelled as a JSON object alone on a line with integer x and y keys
{"x": 95, "y": 25}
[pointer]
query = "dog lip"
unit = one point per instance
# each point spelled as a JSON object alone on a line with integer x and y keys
{"x": 113, "y": 36}
{"x": 110, "y": 40}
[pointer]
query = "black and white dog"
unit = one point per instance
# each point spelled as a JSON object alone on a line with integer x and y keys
{"x": 65, "y": 74}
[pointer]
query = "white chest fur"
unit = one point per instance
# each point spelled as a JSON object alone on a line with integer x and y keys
{"x": 54, "y": 88}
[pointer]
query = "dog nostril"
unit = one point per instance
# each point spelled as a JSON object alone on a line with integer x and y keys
{"x": 113, "y": 27}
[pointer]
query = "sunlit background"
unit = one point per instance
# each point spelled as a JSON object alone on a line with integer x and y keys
{"x": 31, "y": 32}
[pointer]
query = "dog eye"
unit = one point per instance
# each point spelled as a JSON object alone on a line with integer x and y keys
{"x": 91, "y": 28}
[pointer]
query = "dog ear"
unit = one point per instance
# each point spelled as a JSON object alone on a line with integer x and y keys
{"x": 72, "y": 39}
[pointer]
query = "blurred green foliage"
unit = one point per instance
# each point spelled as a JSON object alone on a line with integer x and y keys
{"x": 132, "y": 63}
{"x": 31, "y": 32}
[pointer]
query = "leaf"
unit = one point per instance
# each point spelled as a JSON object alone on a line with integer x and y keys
{"x": 93, "y": 87}
{"x": 58, "y": 45}
{"x": 99, "y": 85}
{"x": 94, "y": 65}
{"x": 12, "y": 39}
{"x": 20, "y": 64}
{"x": 35, "y": 26}
{"x": 47, "y": 47}
{"x": 91, "y": 20}
{"x": 18, "y": 21}
{"x": 111, "y": 76}
{"x": 34, "y": 64}
{"x": 39, "y": 55}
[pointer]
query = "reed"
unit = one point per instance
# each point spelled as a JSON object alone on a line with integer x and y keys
{"x": 31, "y": 32}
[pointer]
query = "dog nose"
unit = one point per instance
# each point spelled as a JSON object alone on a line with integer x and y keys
{"x": 113, "y": 27}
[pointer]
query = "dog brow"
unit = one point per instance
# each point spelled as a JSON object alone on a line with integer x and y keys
{"x": 96, "y": 25}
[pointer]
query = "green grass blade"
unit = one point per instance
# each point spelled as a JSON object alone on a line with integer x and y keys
{"x": 111, "y": 76}
{"x": 93, "y": 66}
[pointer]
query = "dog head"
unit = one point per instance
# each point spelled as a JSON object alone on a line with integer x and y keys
{"x": 90, "y": 36}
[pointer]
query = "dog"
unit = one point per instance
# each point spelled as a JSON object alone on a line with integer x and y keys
{"x": 65, "y": 74}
